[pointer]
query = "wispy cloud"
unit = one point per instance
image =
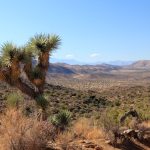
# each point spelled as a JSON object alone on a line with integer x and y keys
{"x": 94, "y": 55}
{"x": 69, "y": 56}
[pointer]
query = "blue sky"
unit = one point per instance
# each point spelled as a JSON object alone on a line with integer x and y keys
{"x": 91, "y": 30}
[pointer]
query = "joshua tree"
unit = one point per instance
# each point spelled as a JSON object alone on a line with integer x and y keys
{"x": 17, "y": 65}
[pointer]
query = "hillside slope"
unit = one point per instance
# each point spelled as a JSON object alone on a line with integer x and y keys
{"x": 62, "y": 68}
{"x": 78, "y": 102}
{"x": 85, "y": 103}
{"x": 140, "y": 64}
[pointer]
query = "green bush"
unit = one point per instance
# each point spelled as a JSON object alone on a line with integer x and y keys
{"x": 41, "y": 101}
{"x": 14, "y": 99}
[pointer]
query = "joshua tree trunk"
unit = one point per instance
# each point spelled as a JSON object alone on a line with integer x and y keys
{"x": 28, "y": 68}
{"x": 26, "y": 89}
{"x": 2, "y": 75}
{"x": 43, "y": 67}
{"x": 5, "y": 75}
{"x": 44, "y": 61}
{"x": 15, "y": 71}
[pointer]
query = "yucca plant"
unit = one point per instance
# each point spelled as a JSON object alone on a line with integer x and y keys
{"x": 61, "y": 120}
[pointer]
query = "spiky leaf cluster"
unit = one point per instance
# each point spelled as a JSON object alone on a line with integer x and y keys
{"x": 10, "y": 52}
{"x": 62, "y": 119}
{"x": 44, "y": 43}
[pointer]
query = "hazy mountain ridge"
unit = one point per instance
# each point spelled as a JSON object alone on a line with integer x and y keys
{"x": 76, "y": 62}
{"x": 140, "y": 64}
{"x": 63, "y": 68}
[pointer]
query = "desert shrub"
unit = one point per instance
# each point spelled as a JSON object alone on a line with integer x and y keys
{"x": 143, "y": 111}
{"x": 18, "y": 132}
{"x": 61, "y": 120}
{"x": 144, "y": 116}
{"x": 109, "y": 119}
{"x": 109, "y": 122}
{"x": 14, "y": 99}
{"x": 63, "y": 106}
{"x": 41, "y": 101}
{"x": 117, "y": 103}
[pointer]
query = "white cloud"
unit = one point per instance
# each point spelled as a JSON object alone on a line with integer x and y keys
{"x": 94, "y": 55}
{"x": 69, "y": 56}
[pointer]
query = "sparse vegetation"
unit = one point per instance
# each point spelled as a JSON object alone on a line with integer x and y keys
{"x": 69, "y": 113}
{"x": 103, "y": 126}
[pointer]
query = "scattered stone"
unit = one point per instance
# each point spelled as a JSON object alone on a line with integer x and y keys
{"x": 53, "y": 146}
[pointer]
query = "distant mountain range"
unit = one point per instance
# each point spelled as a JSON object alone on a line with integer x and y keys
{"x": 145, "y": 64}
{"x": 67, "y": 61}
{"x": 75, "y": 62}
{"x": 121, "y": 63}
{"x": 63, "y": 68}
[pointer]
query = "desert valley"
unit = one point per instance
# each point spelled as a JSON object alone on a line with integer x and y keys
{"x": 100, "y": 93}
{"x": 75, "y": 75}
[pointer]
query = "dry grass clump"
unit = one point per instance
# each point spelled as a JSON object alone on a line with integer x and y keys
{"x": 88, "y": 129}
{"x": 82, "y": 129}
{"x": 18, "y": 132}
{"x": 145, "y": 124}
{"x": 64, "y": 138}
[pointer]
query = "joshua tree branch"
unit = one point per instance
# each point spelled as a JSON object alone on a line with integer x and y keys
{"x": 27, "y": 89}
